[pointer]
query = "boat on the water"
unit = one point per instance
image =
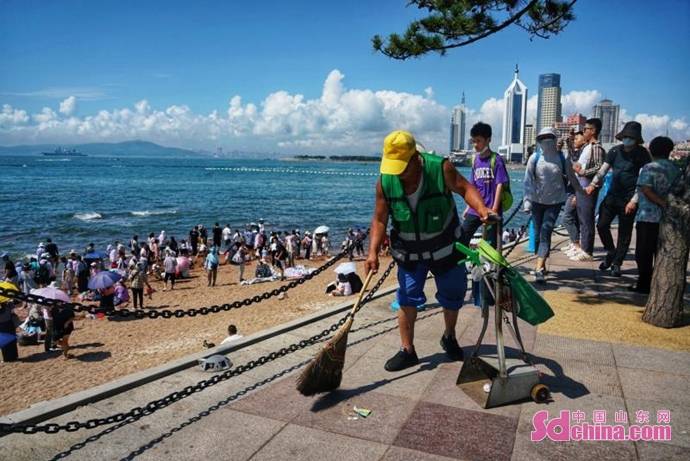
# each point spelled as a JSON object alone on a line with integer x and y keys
{"x": 459, "y": 158}
{"x": 60, "y": 152}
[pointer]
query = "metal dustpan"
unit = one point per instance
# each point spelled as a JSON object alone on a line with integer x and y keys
{"x": 492, "y": 380}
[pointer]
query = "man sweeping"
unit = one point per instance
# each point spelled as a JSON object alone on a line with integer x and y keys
{"x": 415, "y": 190}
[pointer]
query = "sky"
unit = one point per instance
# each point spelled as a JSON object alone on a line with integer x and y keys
{"x": 302, "y": 77}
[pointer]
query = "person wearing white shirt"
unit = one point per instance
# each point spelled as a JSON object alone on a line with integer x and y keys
{"x": 232, "y": 335}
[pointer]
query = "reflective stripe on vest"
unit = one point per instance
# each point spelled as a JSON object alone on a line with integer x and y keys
{"x": 429, "y": 232}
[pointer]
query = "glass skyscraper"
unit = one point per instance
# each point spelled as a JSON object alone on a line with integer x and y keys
{"x": 457, "y": 127}
{"x": 549, "y": 101}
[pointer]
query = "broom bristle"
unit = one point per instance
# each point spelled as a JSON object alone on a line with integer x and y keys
{"x": 325, "y": 372}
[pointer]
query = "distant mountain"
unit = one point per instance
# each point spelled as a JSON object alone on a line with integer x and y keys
{"x": 119, "y": 149}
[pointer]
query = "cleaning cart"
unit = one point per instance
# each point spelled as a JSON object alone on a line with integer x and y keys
{"x": 492, "y": 380}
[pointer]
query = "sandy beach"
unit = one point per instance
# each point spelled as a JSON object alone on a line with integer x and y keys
{"x": 105, "y": 350}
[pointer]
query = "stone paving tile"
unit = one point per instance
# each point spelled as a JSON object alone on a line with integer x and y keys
{"x": 280, "y": 401}
{"x": 20, "y": 447}
{"x": 457, "y": 433}
{"x": 574, "y": 378}
{"x": 366, "y": 376}
{"x": 548, "y": 450}
{"x": 398, "y": 454}
{"x": 560, "y": 347}
{"x": 305, "y": 444}
{"x": 667, "y": 388}
{"x": 680, "y": 418}
{"x": 443, "y": 390}
{"x": 655, "y": 451}
{"x": 648, "y": 358}
{"x": 471, "y": 334}
{"x": 226, "y": 434}
{"x": 330, "y": 413}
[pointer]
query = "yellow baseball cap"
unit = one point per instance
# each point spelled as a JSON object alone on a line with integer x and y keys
{"x": 398, "y": 148}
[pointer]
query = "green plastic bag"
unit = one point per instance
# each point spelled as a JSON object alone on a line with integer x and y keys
{"x": 531, "y": 306}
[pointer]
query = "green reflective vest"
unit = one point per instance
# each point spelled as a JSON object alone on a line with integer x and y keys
{"x": 428, "y": 233}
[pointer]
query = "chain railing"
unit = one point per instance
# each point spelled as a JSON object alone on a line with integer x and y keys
{"x": 155, "y": 405}
{"x": 179, "y": 313}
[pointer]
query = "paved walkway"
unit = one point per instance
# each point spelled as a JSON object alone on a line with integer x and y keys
{"x": 417, "y": 414}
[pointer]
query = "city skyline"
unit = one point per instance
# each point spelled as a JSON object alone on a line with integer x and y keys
{"x": 292, "y": 82}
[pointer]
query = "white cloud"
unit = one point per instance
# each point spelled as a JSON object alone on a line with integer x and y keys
{"x": 580, "y": 102}
{"x": 340, "y": 120}
{"x": 68, "y": 106}
{"x": 11, "y": 117}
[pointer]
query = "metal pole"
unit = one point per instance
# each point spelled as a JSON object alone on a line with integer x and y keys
{"x": 498, "y": 314}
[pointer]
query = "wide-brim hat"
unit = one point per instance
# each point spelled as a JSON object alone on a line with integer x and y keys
{"x": 547, "y": 132}
{"x": 398, "y": 148}
{"x": 631, "y": 130}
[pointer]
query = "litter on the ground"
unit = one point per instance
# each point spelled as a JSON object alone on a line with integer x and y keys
{"x": 363, "y": 412}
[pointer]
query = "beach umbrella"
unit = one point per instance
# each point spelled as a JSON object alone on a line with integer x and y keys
{"x": 7, "y": 286}
{"x": 51, "y": 293}
{"x": 345, "y": 268}
{"x": 322, "y": 230}
{"x": 103, "y": 279}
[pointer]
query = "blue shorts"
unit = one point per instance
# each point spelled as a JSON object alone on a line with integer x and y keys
{"x": 451, "y": 286}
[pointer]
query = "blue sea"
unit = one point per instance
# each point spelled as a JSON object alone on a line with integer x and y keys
{"x": 100, "y": 199}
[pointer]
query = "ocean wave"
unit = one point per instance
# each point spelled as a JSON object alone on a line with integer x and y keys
{"x": 88, "y": 216}
{"x": 54, "y": 160}
{"x": 152, "y": 212}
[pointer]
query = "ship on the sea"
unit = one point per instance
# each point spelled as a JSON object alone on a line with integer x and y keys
{"x": 460, "y": 158}
{"x": 60, "y": 152}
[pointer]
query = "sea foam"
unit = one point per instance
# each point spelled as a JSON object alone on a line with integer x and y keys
{"x": 152, "y": 212}
{"x": 88, "y": 216}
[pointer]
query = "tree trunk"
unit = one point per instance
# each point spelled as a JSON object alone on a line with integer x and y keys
{"x": 665, "y": 303}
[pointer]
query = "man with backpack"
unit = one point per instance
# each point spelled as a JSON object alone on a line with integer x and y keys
{"x": 490, "y": 177}
{"x": 547, "y": 176}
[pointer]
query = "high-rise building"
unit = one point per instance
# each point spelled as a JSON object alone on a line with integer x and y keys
{"x": 548, "y": 101}
{"x": 608, "y": 113}
{"x": 457, "y": 126}
{"x": 514, "y": 118}
{"x": 530, "y": 136}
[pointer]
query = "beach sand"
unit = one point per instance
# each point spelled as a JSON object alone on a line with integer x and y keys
{"x": 106, "y": 350}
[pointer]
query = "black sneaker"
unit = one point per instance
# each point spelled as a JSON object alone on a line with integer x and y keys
{"x": 450, "y": 345}
{"x": 615, "y": 270}
{"x": 401, "y": 360}
{"x": 603, "y": 266}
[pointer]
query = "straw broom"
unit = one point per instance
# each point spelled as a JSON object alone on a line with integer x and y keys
{"x": 325, "y": 372}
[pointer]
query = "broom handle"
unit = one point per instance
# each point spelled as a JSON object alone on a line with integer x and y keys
{"x": 361, "y": 293}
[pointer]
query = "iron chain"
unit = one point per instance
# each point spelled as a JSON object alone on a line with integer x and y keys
{"x": 151, "y": 407}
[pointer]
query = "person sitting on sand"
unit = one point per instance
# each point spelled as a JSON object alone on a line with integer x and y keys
{"x": 121, "y": 294}
{"x": 232, "y": 335}
{"x": 343, "y": 287}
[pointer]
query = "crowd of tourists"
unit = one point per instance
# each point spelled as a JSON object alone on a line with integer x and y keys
{"x": 161, "y": 257}
{"x": 415, "y": 193}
